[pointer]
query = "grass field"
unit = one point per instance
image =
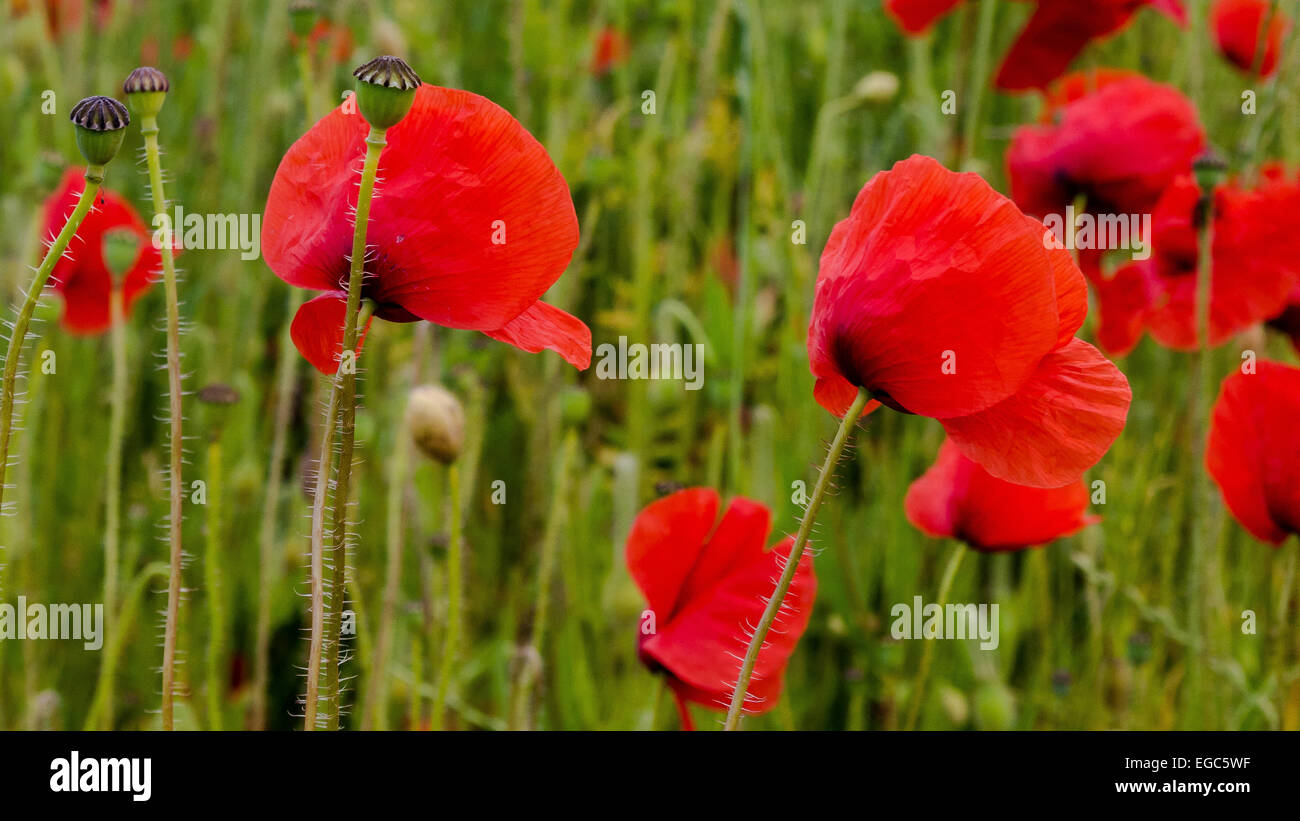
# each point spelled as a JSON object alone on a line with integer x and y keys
{"x": 687, "y": 216}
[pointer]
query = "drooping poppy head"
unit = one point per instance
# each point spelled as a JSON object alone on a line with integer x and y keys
{"x": 471, "y": 223}
{"x": 1237, "y": 25}
{"x": 112, "y": 244}
{"x": 1059, "y": 30}
{"x": 958, "y": 499}
{"x": 1253, "y": 453}
{"x": 611, "y": 50}
{"x": 940, "y": 298}
{"x": 1119, "y": 146}
{"x": 706, "y": 581}
{"x": 1256, "y": 259}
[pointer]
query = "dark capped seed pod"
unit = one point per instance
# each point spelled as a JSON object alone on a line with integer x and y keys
{"x": 101, "y": 124}
{"x": 385, "y": 90}
{"x": 145, "y": 79}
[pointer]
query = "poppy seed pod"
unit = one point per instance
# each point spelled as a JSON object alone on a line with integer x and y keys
{"x": 145, "y": 89}
{"x": 437, "y": 422}
{"x": 101, "y": 124}
{"x": 385, "y": 90}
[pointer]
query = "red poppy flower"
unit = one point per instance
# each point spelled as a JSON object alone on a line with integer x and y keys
{"x": 956, "y": 498}
{"x": 706, "y": 583}
{"x": 82, "y": 276}
{"x": 1256, "y": 262}
{"x": 1056, "y": 33}
{"x": 611, "y": 50}
{"x": 1079, "y": 84}
{"x": 942, "y": 299}
{"x": 1253, "y": 453}
{"x": 337, "y": 36}
{"x": 470, "y": 225}
{"x": 1237, "y": 25}
{"x": 1120, "y": 146}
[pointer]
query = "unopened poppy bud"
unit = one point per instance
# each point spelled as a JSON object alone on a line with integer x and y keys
{"x": 385, "y": 90}
{"x": 436, "y": 422}
{"x": 146, "y": 88}
{"x": 101, "y": 125}
{"x": 302, "y": 16}
{"x": 877, "y": 87}
{"x": 575, "y": 406}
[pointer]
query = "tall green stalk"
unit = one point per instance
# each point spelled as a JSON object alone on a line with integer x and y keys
{"x": 149, "y": 130}
{"x": 342, "y": 414}
{"x": 927, "y": 653}
{"x": 113, "y": 480}
{"x": 451, "y": 639}
{"x": 792, "y": 563}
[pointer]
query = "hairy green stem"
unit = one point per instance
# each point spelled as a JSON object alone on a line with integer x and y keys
{"x": 342, "y": 404}
{"x": 113, "y": 515}
{"x": 149, "y": 130}
{"x": 94, "y": 178}
{"x": 796, "y": 554}
{"x": 451, "y": 640}
{"x": 927, "y": 653}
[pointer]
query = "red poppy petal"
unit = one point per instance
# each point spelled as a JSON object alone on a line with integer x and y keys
{"x": 317, "y": 330}
{"x": 664, "y": 543}
{"x": 1122, "y": 305}
{"x": 1055, "y": 427}
{"x": 1071, "y": 287}
{"x": 957, "y": 497}
{"x": 1252, "y": 449}
{"x": 915, "y": 16}
{"x": 704, "y": 644}
{"x": 738, "y": 540}
{"x": 935, "y": 291}
{"x": 544, "y": 327}
{"x": 1052, "y": 38}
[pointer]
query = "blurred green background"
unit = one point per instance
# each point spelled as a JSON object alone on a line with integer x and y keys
{"x": 761, "y": 118}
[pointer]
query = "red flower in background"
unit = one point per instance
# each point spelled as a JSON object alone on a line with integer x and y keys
{"x": 1255, "y": 269}
{"x": 611, "y": 50}
{"x": 1237, "y": 25}
{"x": 336, "y": 36}
{"x": 956, "y": 498}
{"x": 706, "y": 583}
{"x": 1253, "y": 453}
{"x": 942, "y": 299}
{"x": 470, "y": 225}
{"x": 1288, "y": 321}
{"x": 82, "y": 276}
{"x": 1119, "y": 145}
{"x": 1057, "y": 31}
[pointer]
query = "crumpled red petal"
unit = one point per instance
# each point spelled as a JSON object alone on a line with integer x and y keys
{"x": 545, "y": 327}
{"x": 317, "y": 330}
{"x": 1056, "y": 426}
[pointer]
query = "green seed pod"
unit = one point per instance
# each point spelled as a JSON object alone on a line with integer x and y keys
{"x": 437, "y": 422}
{"x": 1209, "y": 168}
{"x": 146, "y": 89}
{"x": 302, "y": 16}
{"x": 575, "y": 406}
{"x": 121, "y": 247}
{"x": 101, "y": 125}
{"x": 385, "y": 90}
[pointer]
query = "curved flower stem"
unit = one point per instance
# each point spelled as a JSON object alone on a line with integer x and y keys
{"x": 149, "y": 130}
{"x": 341, "y": 412}
{"x": 18, "y": 335}
{"x": 451, "y": 641}
{"x": 112, "y": 525}
{"x": 530, "y": 663}
{"x": 792, "y": 562}
{"x": 927, "y": 654}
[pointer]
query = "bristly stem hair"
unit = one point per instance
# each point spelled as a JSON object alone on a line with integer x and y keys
{"x": 737, "y": 706}
{"x": 341, "y": 415}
